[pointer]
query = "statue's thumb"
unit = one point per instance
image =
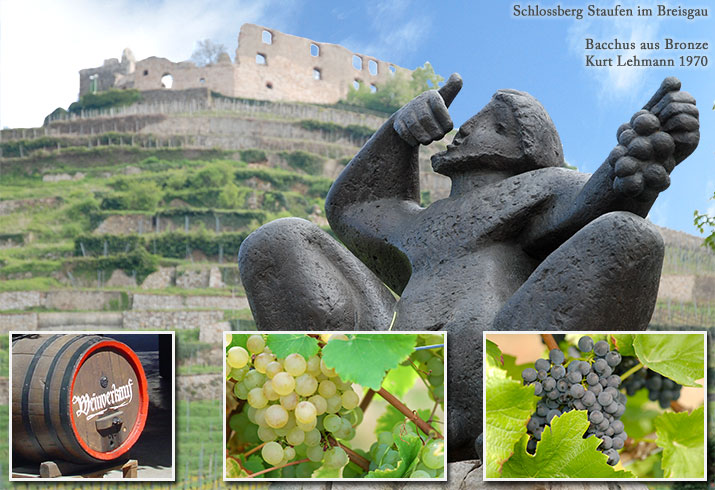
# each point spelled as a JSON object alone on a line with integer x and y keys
{"x": 670, "y": 84}
{"x": 449, "y": 90}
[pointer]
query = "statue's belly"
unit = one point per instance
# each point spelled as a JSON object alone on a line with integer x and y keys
{"x": 465, "y": 290}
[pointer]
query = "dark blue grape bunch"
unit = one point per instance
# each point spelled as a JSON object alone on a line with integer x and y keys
{"x": 581, "y": 385}
{"x": 660, "y": 389}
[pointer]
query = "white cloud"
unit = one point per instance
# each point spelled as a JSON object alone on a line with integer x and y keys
{"x": 44, "y": 43}
{"x": 616, "y": 81}
{"x": 396, "y": 31}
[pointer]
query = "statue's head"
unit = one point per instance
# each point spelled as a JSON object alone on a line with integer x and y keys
{"x": 512, "y": 132}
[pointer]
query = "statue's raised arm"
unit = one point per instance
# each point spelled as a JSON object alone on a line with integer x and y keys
{"x": 637, "y": 170}
{"x": 380, "y": 187}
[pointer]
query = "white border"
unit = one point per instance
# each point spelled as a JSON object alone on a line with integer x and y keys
{"x": 605, "y": 332}
{"x": 364, "y": 480}
{"x": 32, "y": 480}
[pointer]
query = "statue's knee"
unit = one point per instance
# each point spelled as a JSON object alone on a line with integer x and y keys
{"x": 275, "y": 242}
{"x": 624, "y": 232}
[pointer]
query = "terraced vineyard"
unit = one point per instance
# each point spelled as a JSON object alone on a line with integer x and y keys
{"x": 104, "y": 229}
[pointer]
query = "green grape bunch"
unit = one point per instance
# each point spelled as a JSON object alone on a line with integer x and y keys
{"x": 296, "y": 403}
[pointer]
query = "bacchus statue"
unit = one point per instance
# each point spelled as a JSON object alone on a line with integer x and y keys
{"x": 521, "y": 243}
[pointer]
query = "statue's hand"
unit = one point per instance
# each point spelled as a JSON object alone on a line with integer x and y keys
{"x": 425, "y": 118}
{"x": 657, "y": 138}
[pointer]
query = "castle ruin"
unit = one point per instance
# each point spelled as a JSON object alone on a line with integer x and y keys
{"x": 269, "y": 65}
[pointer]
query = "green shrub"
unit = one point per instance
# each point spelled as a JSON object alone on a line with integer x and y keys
{"x": 102, "y": 100}
{"x": 302, "y": 160}
{"x": 143, "y": 196}
{"x": 213, "y": 175}
{"x": 229, "y": 197}
{"x": 253, "y": 156}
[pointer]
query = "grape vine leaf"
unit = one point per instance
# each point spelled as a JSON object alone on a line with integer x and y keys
{"x": 238, "y": 339}
{"x": 679, "y": 357}
{"x": 495, "y": 353}
{"x": 638, "y": 418}
{"x": 509, "y": 406}
{"x": 682, "y": 437}
{"x": 513, "y": 369}
{"x": 649, "y": 467}
{"x": 284, "y": 344}
{"x": 364, "y": 359}
{"x": 388, "y": 420}
{"x": 254, "y": 463}
{"x": 562, "y": 453}
{"x": 327, "y": 472}
{"x": 233, "y": 469}
{"x": 408, "y": 446}
{"x": 624, "y": 343}
{"x": 400, "y": 380}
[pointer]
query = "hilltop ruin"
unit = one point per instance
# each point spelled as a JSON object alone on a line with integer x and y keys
{"x": 269, "y": 65}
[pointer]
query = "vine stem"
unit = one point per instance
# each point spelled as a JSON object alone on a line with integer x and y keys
{"x": 367, "y": 399}
{"x": 424, "y": 426}
{"x": 354, "y": 457}
{"x": 257, "y": 473}
{"x": 632, "y": 370}
{"x": 254, "y": 449}
{"x": 549, "y": 341}
{"x": 677, "y": 407}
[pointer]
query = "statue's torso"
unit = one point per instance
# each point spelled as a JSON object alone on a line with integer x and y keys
{"x": 466, "y": 254}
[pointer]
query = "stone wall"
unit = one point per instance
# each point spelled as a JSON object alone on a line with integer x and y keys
{"x": 269, "y": 65}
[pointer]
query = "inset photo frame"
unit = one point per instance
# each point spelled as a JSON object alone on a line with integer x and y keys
{"x": 335, "y": 405}
{"x": 595, "y": 405}
{"x": 92, "y": 406}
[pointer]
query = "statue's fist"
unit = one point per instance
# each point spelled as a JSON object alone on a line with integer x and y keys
{"x": 425, "y": 118}
{"x": 657, "y": 138}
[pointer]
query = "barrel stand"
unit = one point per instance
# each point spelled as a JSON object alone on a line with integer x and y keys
{"x": 57, "y": 469}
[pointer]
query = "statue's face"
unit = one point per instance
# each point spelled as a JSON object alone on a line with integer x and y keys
{"x": 491, "y": 139}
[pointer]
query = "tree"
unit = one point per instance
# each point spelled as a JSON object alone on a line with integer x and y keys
{"x": 207, "y": 52}
{"x": 705, "y": 222}
{"x": 397, "y": 91}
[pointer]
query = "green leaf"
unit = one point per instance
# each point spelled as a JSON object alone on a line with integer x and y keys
{"x": 400, "y": 380}
{"x": 638, "y": 418}
{"x": 254, "y": 463}
{"x": 682, "y": 437}
{"x": 562, "y": 453}
{"x": 325, "y": 472}
{"x": 679, "y": 357}
{"x": 624, "y": 343}
{"x": 388, "y": 420}
{"x": 365, "y": 358}
{"x": 495, "y": 353}
{"x": 409, "y": 447}
{"x": 238, "y": 339}
{"x": 513, "y": 369}
{"x": 285, "y": 344}
{"x": 233, "y": 469}
{"x": 648, "y": 467}
{"x": 509, "y": 406}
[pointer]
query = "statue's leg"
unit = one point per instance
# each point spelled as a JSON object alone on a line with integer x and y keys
{"x": 297, "y": 277}
{"x": 605, "y": 277}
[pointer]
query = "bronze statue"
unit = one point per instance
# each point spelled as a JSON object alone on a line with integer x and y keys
{"x": 521, "y": 243}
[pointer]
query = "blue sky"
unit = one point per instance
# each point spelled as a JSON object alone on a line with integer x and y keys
{"x": 44, "y": 43}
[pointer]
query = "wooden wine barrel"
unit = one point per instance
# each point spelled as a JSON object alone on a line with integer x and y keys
{"x": 77, "y": 398}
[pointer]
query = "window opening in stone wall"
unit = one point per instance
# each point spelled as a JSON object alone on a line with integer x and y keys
{"x": 267, "y": 37}
{"x": 146, "y": 72}
{"x": 356, "y": 84}
{"x": 316, "y": 74}
{"x": 202, "y": 80}
{"x": 93, "y": 83}
{"x": 314, "y": 50}
{"x": 269, "y": 84}
{"x": 260, "y": 59}
{"x": 373, "y": 88}
{"x": 372, "y": 67}
{"x": 357, "y": 62}
{"x": 392, "y": 69}
{"x": 167, "y": 80}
